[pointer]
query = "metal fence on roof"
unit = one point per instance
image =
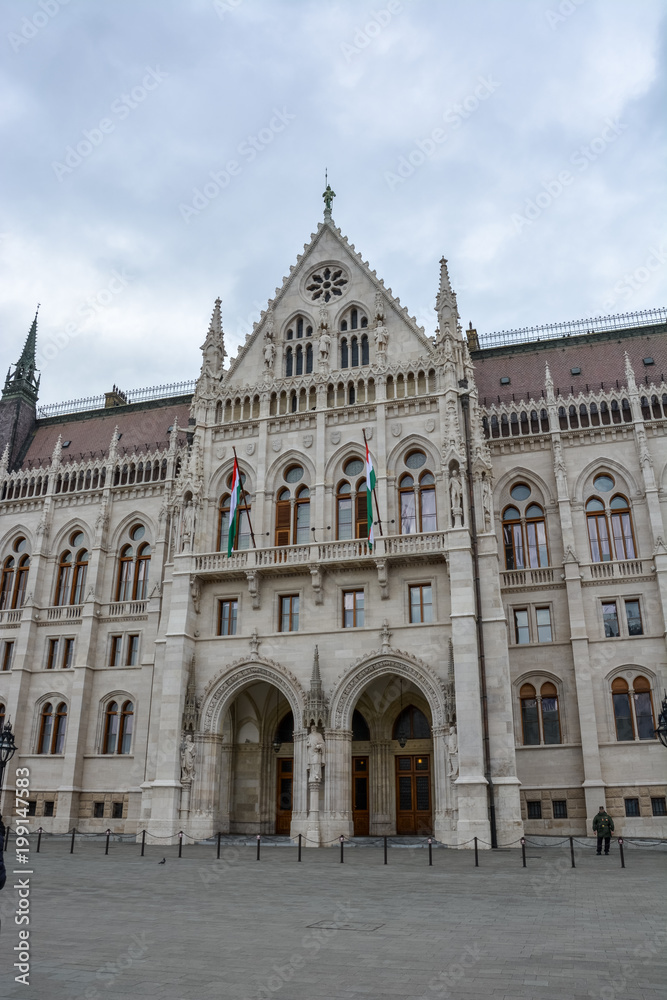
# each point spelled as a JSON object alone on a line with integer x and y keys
{"x": 131, "y": 396}
{"x": 574, "y": 328}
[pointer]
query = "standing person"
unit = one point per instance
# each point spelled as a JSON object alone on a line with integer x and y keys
{"x": 603, "y": 825}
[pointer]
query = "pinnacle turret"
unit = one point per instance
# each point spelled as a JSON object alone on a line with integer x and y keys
{"x": 23, "y": 381}
{"x": 445, "y": 303}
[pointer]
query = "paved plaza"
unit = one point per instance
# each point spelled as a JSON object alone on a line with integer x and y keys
{"x": 123, "y": 927}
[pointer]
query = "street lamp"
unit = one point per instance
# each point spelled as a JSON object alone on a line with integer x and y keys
{"x": 661, "y": 729}
{"x": 7, "y": 749}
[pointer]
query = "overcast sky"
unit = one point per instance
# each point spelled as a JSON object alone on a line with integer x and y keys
{"x": 522, "y": 139}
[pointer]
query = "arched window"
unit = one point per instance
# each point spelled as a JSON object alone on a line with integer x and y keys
{"x": 289, "y": 362}
{"x": 643, "y": 706}
{"x": 299, "y": 359}
{"x": 242, "y": 540}
{"x": 2, "y": 715}
{"x": 79, "y": 580}
{"x": 133, "y": 567}
{"x": 622, "y": 537}
{"x": 125, "y": 574}
{"x": 7, "y": 583}
{"x": 344, "y": 361}
{"x": 309, "y": 358}
{"x": 524, "y": 531}
{"x": 354, "y": 352}
{"x": 360, "y": 731}
{"x": 141, "y": 572}
{"x": 621, "y": 528}
{"x": 302, "y": 516}
{"x": 344, "y": 511}
{"x": 364, "y": 347}
{"x": 126, "y": 726}
{"x": 14, "y": 581}
{"x": 64, "y": 579}
{"x": 412, "y": 724}
{"x": 111, "y": 728}
{"x": 540, "y": 719}
{"x": 620, "y": 696}
{"x": 417, "y": 503}
{"x": 633, "y": 714}
{"x": 283, "y": 517}
{"x": 53, "y": 726}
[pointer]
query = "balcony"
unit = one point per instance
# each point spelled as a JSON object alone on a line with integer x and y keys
{"x": 280, "y": 559}
{"x": 66, "y": 612}
{"x": 125, "y": 609}
{"x": 543, "y": 577}
{"x": 11, "y": 617}
{"x": 622, "y": 569}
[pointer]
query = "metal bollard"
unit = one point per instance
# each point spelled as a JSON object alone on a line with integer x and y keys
{"x": 39, "y": 839}
{"x": 523, "y": 851}
{"x": 620, "y": 847}
{"x": 218, "y": 854}
{"x": 430, "y": 851}
{"x": 259, "y": 841}
{"x": 180, "y": 843}
{"x": 342, "y": 841}
{"x": 572, "y": 852}
{"x": 476, "y": 855}
{"x": 71, "y": 847}
{"x": 385, "y": 850}
{"x": 143, "y": 842}
{"x": 106, "y": 849}
{"x": 299, "y": 854}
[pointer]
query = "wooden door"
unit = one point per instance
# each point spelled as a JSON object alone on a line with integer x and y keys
{"x": 360, "y": 810}
{"x": 413, "y": 795}
{"x": 284, "y": 769}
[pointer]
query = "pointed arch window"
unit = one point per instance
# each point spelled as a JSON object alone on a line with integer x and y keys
{"x": 133, "y": 568}
{"x": 351, "y": 511}
{"x": 619, "y": 543}
{"x": 524, "y": 535}
{"x": 64, "y": 579}
{"x": 620, "y": 696}
{"x": 118, "y": 727}
{"x": 289, "y": 362}
{"x": 344, "y": 356}
{"x": 417, "y": 503}
{"x": 540, "y": 718}
{"x": 53, "y": 726}
{"x": 79, "y": 577}
{"x": 309, "y": 357}
{"x": 633, "y": 709}
{"x": 299, "y": 359}
{"x": 242, "y": 524}
{"x": 412, "y": 724}
{"x": 111, "y": 728}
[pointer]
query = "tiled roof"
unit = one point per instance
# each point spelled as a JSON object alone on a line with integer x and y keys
{"x": 600, "y": 356}
{"x": 143, "y": 427}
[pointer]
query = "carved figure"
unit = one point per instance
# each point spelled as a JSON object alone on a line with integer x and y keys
{"x": 269, "y": 354}
{"x": 455, "y": 493}
{"x": 316, "y": 753}
{"x": 325, "y": 346}
{"x": 487, "y": 503}
{"x": 188, "y": 525}
{"x": 188, "y": 757}
{"x": 453, "y": 751}
{"x": 381, "y": 337}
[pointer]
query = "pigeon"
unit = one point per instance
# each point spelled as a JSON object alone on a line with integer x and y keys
{"x": 163, "y": 862}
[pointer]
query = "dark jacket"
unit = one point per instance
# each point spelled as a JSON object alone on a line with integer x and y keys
{"x": 603, "y": 824}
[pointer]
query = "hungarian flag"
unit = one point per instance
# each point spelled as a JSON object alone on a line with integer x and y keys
{"x": 370, "y": 486}
{"x": 234, "y": 502}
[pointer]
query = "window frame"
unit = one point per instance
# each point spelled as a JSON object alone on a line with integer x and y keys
{"x": 232, "y": 618}
{"x": 538, "y": 688}
{"x": 356, "y": 610}
{"x": 601, "y": 525}
{"x": 517, "y": 534}
{"x": 292, "y": 614}
{"x": 421, "y": 587}
{"x": 8, "y": 650}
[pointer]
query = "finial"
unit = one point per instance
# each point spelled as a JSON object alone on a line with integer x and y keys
{"x": 328, "y": 196}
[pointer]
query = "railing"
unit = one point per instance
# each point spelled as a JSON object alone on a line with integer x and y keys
{"x": 617, "y": 570}
{"x": 132, "y": 396}
{"x": 10, "y": 617}
{"x": 119, "y": 609}
{"x": 528, "y": 577}
{"x": 320, "y": 552}
{"x": 65, "y": 613}
{"x": 574, "y": 328}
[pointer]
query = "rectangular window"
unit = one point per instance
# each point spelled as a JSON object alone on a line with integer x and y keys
{"x": 116, "y": 810}
{"x": 421, "y": 603}
{"x": 132, "y": 651}
{"x": 353, "y": 608}
{"x": 289, "y": 613}
{"x": 534, "y": 810}
{"x": 530, "y": 723}
{"x": 633, "y": 614}
{"x": 49, "y": 808}
{"x": 114, "y": 650}
{"x": 659, "y": 807}
{"x": 543, "y": 624}
{"x": 32, "y": 807}
{"x": 98, "y": 810}
{"x": 521, "y": 630}
{"x": 644, "y": 715}
{"x": 8, "y": 655}
{"x": 227, "y": 615}
{"x": 68, "y": 653}
{"x": 625, "y": 729}
{"x": 560, "y": 808}
{"x": 632, "y": 807}
{"x": 52, "y": 656}
{"x": 610, "y": 619}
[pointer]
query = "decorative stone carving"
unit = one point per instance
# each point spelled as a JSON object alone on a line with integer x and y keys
{"x": 307, "y": 440}
{"x": 335, "y": 437}
{"x": 487, "y": 503}
{"x": 383, "y": 580}
{"x": 385, "y": 636}
{"x": 429, "y": 424}
{"x": 254, "y": 644}
{"x": 276, "y": 444}
{"x": 393, "y": 661}
{"x": 195, "y": 593}
{"x": 250, "y": 448}
{"x": 453, "y": 753}
{"x": 396, "y": 429}
{"x": 316, "y": 753}
{"x": 316, "y": 580}
{"x": 253, "y": 587}
{"x": 188, "y": 757}
{"x": 220, "y": 451}
{"x": 456, "y": 496}
{"x": 237, "y": 675}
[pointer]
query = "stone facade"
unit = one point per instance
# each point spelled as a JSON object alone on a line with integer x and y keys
{"x": 170, "y": 709}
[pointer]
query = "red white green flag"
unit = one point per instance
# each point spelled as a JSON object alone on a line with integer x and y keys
{"x": 234, "y": 503}
{"x": 370, "y": 486}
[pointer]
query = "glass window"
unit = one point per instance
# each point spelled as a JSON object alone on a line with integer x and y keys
{"x": 132, "y": 651}
{"x": 360, "y": 731}
{"x": 125, "y": 574}
{"x": 64, "y": 578}
{"x": 415, "y": 459}
{"x": 411, "y": 723}
{"x": 427, "y": 511}
{"x": 227, "y": 616}
{"x": 111, "y": 728}
{"x": 302, "y": 516}
{"x": 659, "y": 806}
{"x": 559, "y": 808}
{"x": 634, "y": 618}
{"x": 289, "y": 613}
{"x": 141, "y": 572}
{"x": 632, "y": 807}
{"x": 610, "y": 619}
{"x": 116, "y": 810}
{"x": 353, "y": 608}
{"x": 49, "y": 808}
{"x": 8, "y": 655}
{"x": 521, "y": 629}
{"x": 115, "y": 650}
{"x": 242, "y": 540}
{"x": 294, "y": 474}
{"x": 529, "y": 720}
{"x": 126, "y": 726}
{"x": 344, "y": 511}
{"x": 421, "y": 603}
{"x": 621, "y": 528}
{"x": 520, "y": 491}
{"x": 622, "y": 712}
{"x": 68, "y": 653}
{"x": 353, "y": 467}
{"x": 98, "y": 810}
{"x": 534, "y": 810}
{"x": 550, "y": 718}
{"x": 406, "y": 492}
{"x": 52, "y": 655}
{"x": 59, "y": 728}
{"x": 603, "y": 483}
{"x": 643, "y": 708}
{"x": 543, "y": 624}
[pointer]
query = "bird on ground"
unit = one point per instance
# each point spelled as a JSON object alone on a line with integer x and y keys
{"x": 163, "y": 862}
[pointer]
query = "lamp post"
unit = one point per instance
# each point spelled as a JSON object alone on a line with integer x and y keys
{"x": 7, "y": 749}
{"x": 661, "y": 729}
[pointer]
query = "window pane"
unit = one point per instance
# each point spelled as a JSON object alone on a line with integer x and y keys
{"x": 348, "y": 610}
{"x": 624, "y": 729}
{"x": 543, "y": 624}
{"x": 659, "y": 807}
{"x": 521, "y": 629}
{"x": 518, "y": 546}
{"x": 610, "y": 619}
{"x": 632, "y": 807}
{"x": 408, "y": 514}
{"x": 634, "y": 618}
{"x": 644, "y": 714}
{"x": 345, "y": 518}
{"x": 550, "y": 720}
{"x": 428, "y": 510}
{"x": 126, "y": 741}
{"x": 534, "y": 810}
{"x": 531, "y": 728}
{"x": 302, "y": 523}
{"x": 423, "y": 800}
{"x": 509, "y": 548}
{"x": 112, "y": 732}
{"x": 360, "y": 607}
{"x": 560, "y": 808}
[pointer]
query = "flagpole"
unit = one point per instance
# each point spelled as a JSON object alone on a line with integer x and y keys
{"x": 243, "y": 496}
{"x": 377, "y": 509}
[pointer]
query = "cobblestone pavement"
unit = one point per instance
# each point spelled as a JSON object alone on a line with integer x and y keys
{"x": 123, "y": 927}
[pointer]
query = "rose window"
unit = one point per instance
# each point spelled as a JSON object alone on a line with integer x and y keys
{"x": 326, "y": 284}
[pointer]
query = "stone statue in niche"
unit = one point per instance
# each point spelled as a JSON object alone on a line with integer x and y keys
{"x": 188, "y": 526}
{"x": 316, "y": 753}
{"x": 325, "y": 346}
{"x": 453, "y": 752}
{"x": 456, "y": 495}
{"x": 381, "y": 338}
{"x": 487, "y": 503}
{"x": 269, "y": 354}
{"x": 188, "y": 757}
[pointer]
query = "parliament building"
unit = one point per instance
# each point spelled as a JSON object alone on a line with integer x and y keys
{"x": 176, "y": 655}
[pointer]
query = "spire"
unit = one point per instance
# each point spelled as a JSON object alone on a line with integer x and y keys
{"x": 630, "y": 374}
{"x": 445, "y": 303}
{"x": 328, "y": 196}
{"x": 315, "y": 709}
{"x": 213, "y": 347}
{"x": 549, "y": 384}
{"x": 315, "y": 679}
{"x": 23, "y": 381}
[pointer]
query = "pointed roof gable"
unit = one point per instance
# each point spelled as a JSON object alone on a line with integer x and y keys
{"x": 328, "y": 242}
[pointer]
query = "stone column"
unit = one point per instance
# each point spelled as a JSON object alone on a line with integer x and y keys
{"x": 313, "y": 825}
{"x": 225, "y": 787}
{"x": 299, "y": 785}
{"x": 442, "y": 821}
{"x": 381, "y": 778}
{"x": 205, "y": 793}
{"x": 337, "y": 818}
